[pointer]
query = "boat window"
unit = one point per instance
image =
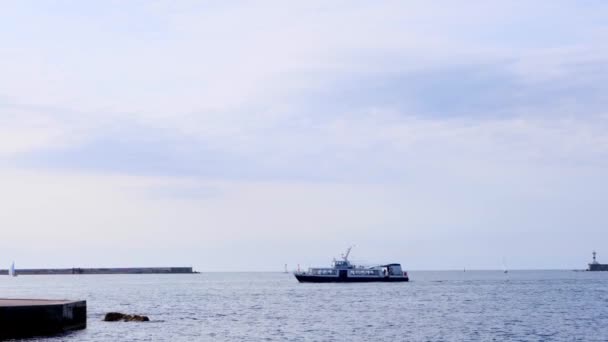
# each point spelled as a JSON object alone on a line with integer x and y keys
{"x": 365, "y": 272}
{"x": 323, "y": 271}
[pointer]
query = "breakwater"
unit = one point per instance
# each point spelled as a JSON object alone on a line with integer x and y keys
{"x": 111, "y": 270}
{"x": 598, "y": 267}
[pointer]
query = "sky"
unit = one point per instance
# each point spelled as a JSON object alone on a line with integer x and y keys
{"x": 245, "y": 135}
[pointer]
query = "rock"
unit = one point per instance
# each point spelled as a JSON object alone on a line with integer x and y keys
{"x": 117, "y": 316}
{"x": 137, "y": 318}
{"x": 114, "y": 317}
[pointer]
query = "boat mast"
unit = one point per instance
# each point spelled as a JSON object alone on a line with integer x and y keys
{"x": 345, "y": 256}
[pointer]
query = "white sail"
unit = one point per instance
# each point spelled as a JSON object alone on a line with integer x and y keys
{"x": 11, "y": 270}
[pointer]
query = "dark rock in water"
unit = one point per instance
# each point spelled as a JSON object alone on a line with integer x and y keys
{"x": 117, "y": 316}
{"x": 113, "y": 316}
{"x": 136, "y": 318}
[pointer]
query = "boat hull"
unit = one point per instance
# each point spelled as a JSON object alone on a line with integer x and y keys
{"x": 303, "y": 278}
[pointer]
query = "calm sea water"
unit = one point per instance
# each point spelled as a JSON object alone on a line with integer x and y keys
{"x": 435, "y": 306}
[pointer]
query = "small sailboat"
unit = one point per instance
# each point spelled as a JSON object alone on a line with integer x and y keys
{"x": 504, "y": 267}
{"x": 285, "y": 269}
{"x": 11, "y": 270}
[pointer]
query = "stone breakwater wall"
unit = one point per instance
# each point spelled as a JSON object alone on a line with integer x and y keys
{"x": 598, "y": 267}
{"x": 118, "y": 270}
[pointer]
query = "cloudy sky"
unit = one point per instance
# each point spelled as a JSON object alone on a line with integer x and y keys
{"x": 244, "y": 135}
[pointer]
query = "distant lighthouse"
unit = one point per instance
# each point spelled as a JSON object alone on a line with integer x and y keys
{"x": 596, "y": 266}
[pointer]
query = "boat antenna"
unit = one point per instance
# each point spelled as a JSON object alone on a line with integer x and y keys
{"x": 594, "y": 261}
{"x": 345, "y": 255}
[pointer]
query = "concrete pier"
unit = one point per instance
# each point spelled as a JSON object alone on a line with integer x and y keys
{"x": 37, "y": 317}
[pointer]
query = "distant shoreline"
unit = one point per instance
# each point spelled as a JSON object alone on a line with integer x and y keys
{"x": 109, "y": 270}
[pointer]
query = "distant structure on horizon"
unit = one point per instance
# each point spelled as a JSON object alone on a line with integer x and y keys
{"x": 119, "y": 270}
{"x": 596, "y": 266}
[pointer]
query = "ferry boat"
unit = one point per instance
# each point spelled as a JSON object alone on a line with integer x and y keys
{"x": 343, "y": 271}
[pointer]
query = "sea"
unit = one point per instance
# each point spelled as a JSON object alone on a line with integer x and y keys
{"x": 433, "y": 306}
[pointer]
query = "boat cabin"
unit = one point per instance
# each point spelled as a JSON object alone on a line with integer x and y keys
{"x": 342, "y": 264}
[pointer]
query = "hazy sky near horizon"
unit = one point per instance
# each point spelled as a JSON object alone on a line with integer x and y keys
{"x": 244, "y": 135}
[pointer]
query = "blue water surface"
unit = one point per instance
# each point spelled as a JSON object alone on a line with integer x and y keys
{"x": 434, "y": 306}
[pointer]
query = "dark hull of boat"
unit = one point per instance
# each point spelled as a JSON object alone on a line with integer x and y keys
{"x": 302, "y": 278}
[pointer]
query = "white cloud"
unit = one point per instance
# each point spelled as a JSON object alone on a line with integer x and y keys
{"x": 227, "y": 57}
{"x": 22, "y": 131}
